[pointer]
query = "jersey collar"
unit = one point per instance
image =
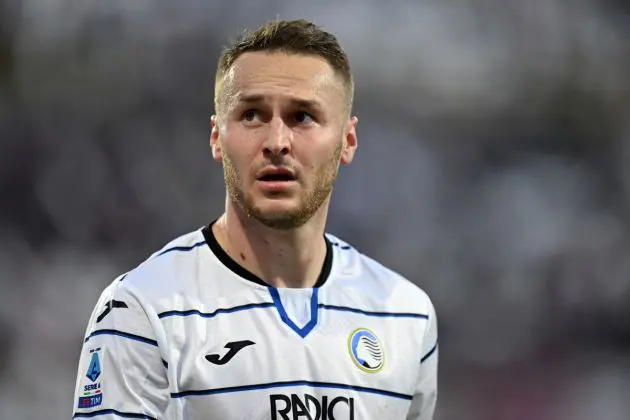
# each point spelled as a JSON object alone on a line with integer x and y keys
{"x": 241, "y": 271}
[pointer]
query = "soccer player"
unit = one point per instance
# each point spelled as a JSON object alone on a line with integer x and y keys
{"x": 261, "y": 314}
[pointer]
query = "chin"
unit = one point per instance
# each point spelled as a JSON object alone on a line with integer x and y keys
{"x": 279, "y": 220}
{"x": 278, "y": 214}
{"x": 276, "y": 208}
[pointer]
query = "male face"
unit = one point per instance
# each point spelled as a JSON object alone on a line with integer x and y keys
{"x": 282, "y": 130}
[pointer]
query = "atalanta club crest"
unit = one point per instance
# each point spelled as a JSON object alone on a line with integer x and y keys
{"x": 366, "y": 350}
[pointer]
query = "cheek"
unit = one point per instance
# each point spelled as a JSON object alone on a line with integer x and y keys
{"x": 321, "y": 157}
{"x": 241, "y": 152}
{"x": 238, "y": 161}
{"x": 241, "y": 141}
{"x": 314, "y": 166}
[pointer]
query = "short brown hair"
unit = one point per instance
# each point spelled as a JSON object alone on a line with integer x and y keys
{"x": 288, "y": 36}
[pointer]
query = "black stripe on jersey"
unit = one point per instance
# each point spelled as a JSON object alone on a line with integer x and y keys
{"x": 248, "y": 306}
{"x": 181, "y": 248}
{"x": 172, "y": 249}
{"x": 216, "y": 312}
{"x": 429, "y": 353}
{"x": 122, "y": 334}
{"x": 165, "y": 363}
{"x": 114, "y": 412}
{"x": 373, "y": 313}
{"x": 344, "y": 247}
{"x": 269, "y": 385}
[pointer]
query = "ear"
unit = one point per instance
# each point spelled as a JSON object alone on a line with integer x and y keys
{"x": 215, "y": 144}
{"x": 351, "y": 141}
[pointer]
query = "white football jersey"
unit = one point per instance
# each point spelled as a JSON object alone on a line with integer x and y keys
{"x": 190, "y": 334}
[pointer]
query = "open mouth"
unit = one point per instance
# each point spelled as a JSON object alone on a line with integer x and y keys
{"x": 279, "y": 177}
{"x": 276, "y": 174}
{"x": 276, "y": 180}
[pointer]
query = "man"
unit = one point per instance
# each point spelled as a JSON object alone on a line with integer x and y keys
{"x": 261, "y": 315}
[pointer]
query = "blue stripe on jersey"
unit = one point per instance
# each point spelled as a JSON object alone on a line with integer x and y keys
{"x": 304, "y": 331}
{"x": 371, "y": 313}
{"x": 122, "y": 334}
{"x": 114, "y": 412}
{"x": 429, "y": 353}
{"x": 216, "y": 312}
{"x": 182, "y": 248}
{"x": 331, "y": 385}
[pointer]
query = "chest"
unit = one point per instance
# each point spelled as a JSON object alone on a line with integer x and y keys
{"x": 282, "y": 356}
{"x": 261, "y": 345}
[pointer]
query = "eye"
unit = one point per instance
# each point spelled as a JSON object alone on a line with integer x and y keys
{"x": 302, "y": 117}
{"x": 250, "y": 115}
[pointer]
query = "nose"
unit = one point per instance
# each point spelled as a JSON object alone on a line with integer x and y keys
{"x": 280, "y": 138}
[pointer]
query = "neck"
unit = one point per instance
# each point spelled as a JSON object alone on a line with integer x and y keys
{"x": 292, "y": 258}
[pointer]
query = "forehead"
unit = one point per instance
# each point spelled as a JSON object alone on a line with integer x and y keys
{"x": 274, "y": 74}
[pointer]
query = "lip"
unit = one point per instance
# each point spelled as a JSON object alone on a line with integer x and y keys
{"x": 276, "y": 186}
{"x": 272, "y": 170}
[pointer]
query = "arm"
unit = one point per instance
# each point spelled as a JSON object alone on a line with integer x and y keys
{"x": 425, "y": 396}
{"x": 121, "y": 371}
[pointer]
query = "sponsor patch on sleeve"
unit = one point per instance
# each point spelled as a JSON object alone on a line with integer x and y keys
{"x": 88, "y": 402}
{"x": 91, "y": 393}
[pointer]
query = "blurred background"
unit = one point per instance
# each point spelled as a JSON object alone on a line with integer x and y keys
{"x": 493, "y": 170}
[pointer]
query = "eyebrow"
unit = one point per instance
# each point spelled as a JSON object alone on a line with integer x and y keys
{"x": 301, "y": 103}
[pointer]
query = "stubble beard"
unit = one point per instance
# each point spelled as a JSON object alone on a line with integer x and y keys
{"x": 291, "y": 218}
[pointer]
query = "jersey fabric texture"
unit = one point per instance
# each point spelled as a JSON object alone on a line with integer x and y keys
{"x": 190, "y": 334}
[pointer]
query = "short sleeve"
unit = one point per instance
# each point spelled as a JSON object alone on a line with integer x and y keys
{"x": 121, "y": 370}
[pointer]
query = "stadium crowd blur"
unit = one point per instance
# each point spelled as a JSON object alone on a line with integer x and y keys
{"x": 493, "y": 170}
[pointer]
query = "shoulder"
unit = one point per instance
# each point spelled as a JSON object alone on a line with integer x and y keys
{"x": 377, "y": 282}
{"x": 157, "y": 274}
